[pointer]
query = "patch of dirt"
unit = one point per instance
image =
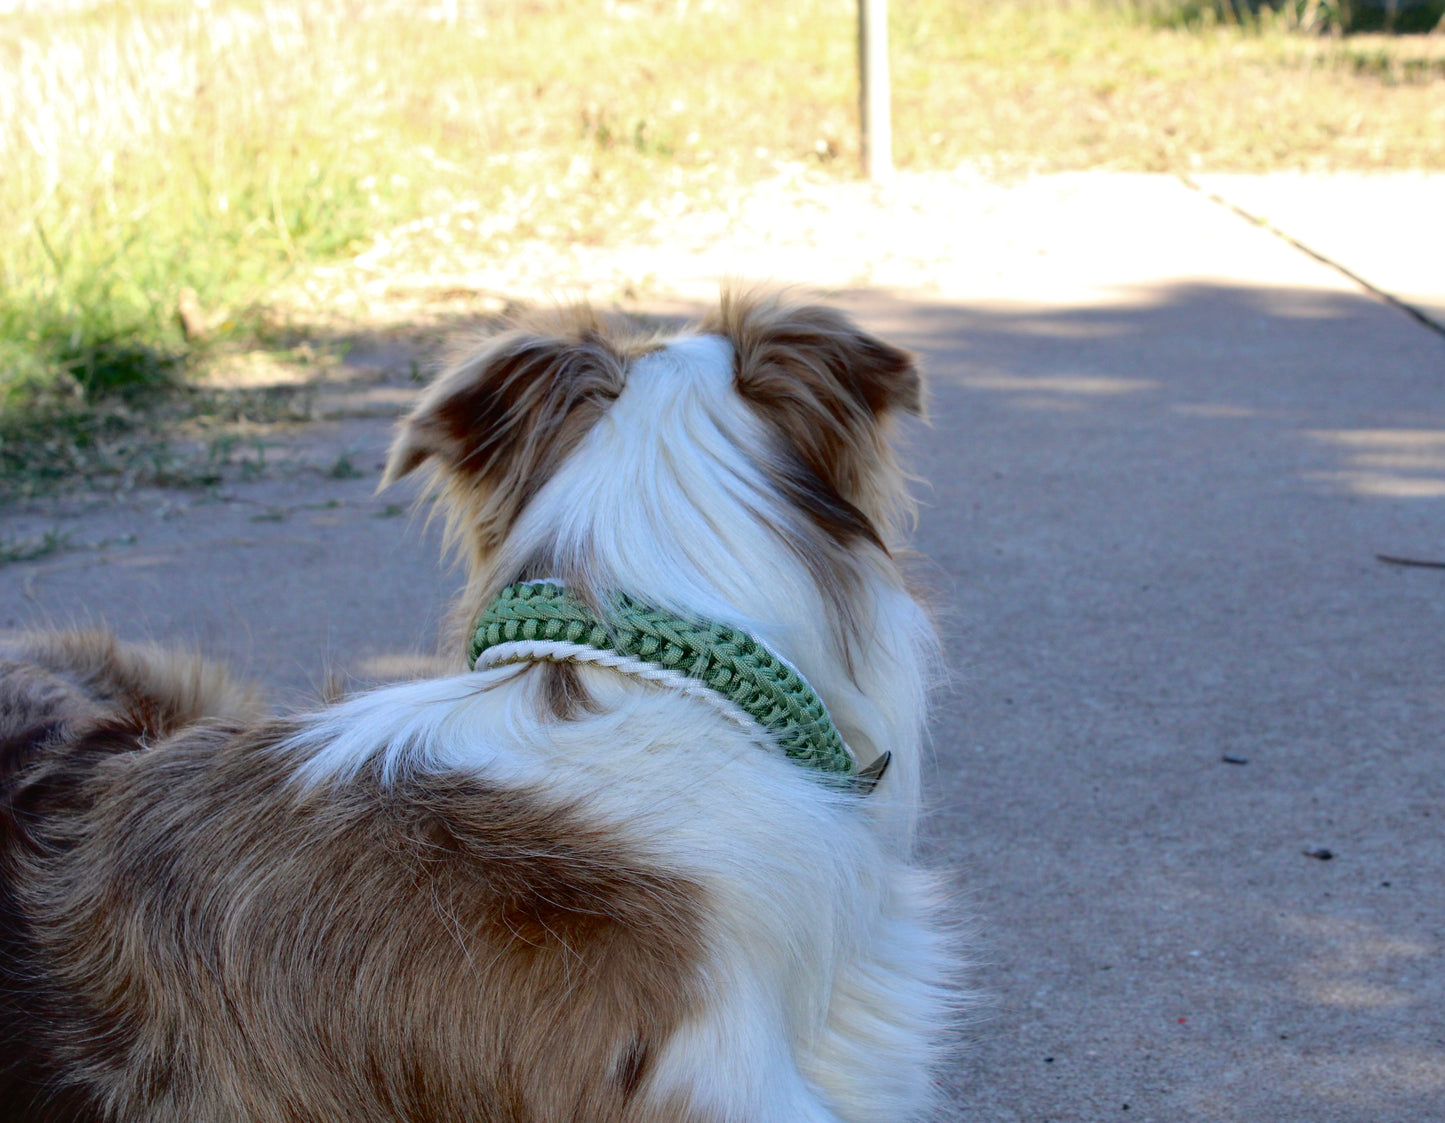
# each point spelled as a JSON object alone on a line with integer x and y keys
{"x": 797, "y": 226}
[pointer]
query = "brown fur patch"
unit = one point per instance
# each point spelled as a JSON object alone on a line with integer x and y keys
{"x": 567, "y": 698}
{"x": 205, "y": 943}
{"x": 37, "y": 707}
{"x": 88, "y": 674}
{"x": 500, "y": 422}
{"x": 828, "y": 388}
{"x": 35, "y": 1083}
{"x": 68, "y": 702}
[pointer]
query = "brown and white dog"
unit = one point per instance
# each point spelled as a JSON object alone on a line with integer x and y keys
{"x": 553, "y": 892}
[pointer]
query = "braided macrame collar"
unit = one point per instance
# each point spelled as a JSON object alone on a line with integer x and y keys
{"x": 722, "y": 665}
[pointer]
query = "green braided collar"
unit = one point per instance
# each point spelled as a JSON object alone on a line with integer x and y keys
{"x": 727, "y": 660}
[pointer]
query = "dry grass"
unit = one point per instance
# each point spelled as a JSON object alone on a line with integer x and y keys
{"x": 1059, "y": 86}
{"x": 153, "y": 148}
{"x": 169, "y": 166}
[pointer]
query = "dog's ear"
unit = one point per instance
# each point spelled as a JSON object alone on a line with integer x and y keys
{"x": 497, "y": 424}
{"x": 825, "y": 384}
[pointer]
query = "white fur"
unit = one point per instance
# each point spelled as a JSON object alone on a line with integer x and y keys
{"x": 826, "y": 977}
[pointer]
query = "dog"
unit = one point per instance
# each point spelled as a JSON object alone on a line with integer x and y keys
{"x": 579, "y": 883}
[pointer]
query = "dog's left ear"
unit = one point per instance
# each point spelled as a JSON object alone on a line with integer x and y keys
{"x": 498, "y": 424}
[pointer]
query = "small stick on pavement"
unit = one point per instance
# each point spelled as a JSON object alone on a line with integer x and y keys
{"x": 1418, "y": 563}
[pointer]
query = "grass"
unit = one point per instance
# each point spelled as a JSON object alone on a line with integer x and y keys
{"x": 168, "y": 165}
{"x": 1348, "y": 17}
{"x": 33, "y": 549}
{"x": 51, "y": 542}
{"x": 1049, "y": 87}
{"x": 117, "y": 443}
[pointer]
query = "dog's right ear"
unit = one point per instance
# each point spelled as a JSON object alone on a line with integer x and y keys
{"x": 497, "y": 424}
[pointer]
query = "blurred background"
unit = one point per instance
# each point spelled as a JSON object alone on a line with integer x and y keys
{"x": 192, "y": 188}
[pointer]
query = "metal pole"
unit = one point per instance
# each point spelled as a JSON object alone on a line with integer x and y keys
{"x": 873, "y": 90}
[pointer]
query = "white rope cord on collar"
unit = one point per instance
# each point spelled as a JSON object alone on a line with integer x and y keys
{"x": 559, "y": 651}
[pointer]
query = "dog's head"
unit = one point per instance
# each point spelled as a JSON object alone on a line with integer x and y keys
{"x": 554, "y": 437}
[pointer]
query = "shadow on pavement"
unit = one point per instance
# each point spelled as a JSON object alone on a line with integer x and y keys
{"x": 1181, "y": 677}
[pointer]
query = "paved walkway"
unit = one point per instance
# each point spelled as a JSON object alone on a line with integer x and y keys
{"x": 1169, "y": 450}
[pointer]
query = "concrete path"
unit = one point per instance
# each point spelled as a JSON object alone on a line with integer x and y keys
{"x": 1189, "y": 771}
{"x": 1386, "y": 229}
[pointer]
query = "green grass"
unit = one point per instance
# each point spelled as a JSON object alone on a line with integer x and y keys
{"x": 33, "y": 549}
{"x": 15, "y": 549}
{"x": 1347, "y": 17}
{"x": 168, "y": 168}
{"x": 149, "y": 154}
{"x": 192, "y": 437}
